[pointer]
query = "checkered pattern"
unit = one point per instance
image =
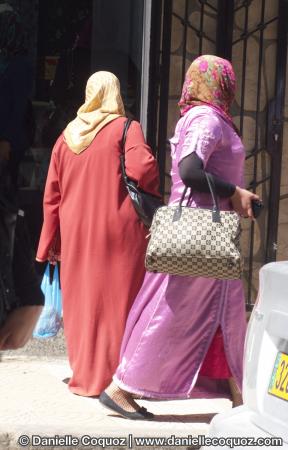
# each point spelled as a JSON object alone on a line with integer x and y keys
{"x": 195, "y": 245}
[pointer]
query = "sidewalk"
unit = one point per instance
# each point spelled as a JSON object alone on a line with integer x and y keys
{"x": 34, "y": 400}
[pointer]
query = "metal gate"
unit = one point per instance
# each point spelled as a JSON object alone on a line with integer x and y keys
{"x": 253, "y": 35}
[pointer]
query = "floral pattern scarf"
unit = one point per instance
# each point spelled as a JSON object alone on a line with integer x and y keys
{"x": 209, "y": 80}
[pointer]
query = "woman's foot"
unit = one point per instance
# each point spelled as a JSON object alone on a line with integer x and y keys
{"x": 237, "y": 399}
{"x": 123, "y": 403}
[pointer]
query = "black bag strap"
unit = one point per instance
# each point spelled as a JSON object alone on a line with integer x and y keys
{"x": 122, "y": 144}
{"x": 124, "y": 134}
{"x": 215, "y": 208}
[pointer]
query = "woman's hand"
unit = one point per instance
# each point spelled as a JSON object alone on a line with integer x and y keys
{"x": 242, "y": 202}
{"x": 53, "y": 257}
{"x": 18, "y": 327}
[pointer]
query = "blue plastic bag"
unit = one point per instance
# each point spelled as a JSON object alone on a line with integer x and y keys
{"x": 50, "y": 320}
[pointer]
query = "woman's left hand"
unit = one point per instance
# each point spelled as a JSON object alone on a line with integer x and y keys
{"x": 242, "y": 202}
{"x": 19, "y": 326}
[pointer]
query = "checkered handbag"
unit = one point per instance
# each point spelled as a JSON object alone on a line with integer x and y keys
{"x": 195, "y": 241}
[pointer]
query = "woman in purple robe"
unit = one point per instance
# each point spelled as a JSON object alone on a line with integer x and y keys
{"x": 185, "y": 335}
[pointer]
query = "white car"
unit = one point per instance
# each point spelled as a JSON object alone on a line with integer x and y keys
{"x": 263, "y": 419}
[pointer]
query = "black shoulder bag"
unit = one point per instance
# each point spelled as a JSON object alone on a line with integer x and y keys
{"x": 144, "y": 203}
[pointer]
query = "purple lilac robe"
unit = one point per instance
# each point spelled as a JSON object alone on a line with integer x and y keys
{"x": 174, "y": 318}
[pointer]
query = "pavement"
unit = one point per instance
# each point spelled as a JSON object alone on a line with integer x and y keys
{"x": 37, "y": 409}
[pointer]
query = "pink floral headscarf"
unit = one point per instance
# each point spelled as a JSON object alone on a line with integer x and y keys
{"x": 209, "y": 80}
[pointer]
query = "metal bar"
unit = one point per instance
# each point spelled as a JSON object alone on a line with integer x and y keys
{"x": 164, "y": 90}
{"x": 245, "y": 3}
{"x": 253, "y": 184}
{"x": 144, "y": 84}
{"x": 261, "y": 26}
{"x": 224, "y": 33}
{"x": 259, "y": 79}
{"x": 211, "y": 6}
{"x": 197, "y": 31}
{"x": 254, "y": 152}
{"x": 201, "y": 28}
{"x": 184, "y": 41}
{"x": 277, "y": 131}
{"x": 154, "y": 71}
{"x": 205, "y": 2}
{"x": 244, "y": 72}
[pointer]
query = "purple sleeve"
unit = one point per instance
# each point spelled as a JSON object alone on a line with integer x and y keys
{"x": 202, "y": 135}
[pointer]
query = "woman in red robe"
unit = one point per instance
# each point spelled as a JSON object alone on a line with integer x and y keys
{"x": 102, "y": 241}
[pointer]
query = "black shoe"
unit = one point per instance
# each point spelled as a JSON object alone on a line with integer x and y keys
{"x": 141, "y": 414}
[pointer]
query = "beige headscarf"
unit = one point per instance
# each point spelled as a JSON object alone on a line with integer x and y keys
{"x": 103, "y": 103}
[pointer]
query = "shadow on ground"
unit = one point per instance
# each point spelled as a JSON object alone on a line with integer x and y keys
{"x": 184, "y": 418}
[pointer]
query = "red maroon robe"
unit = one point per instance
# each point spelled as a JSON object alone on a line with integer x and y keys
{"x": 102, "y": 246}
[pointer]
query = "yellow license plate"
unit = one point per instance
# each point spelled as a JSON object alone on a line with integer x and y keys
{"x": 279, "y": 379}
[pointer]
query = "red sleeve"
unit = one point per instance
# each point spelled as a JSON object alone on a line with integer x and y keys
{"x": 141, "y": 166}
{"x": 50, "y": 237}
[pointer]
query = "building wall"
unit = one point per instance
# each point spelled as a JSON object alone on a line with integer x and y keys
{"x": 254, "y": 103}
{"x": 256, "y": 91}
{"x": 283, "y": 216}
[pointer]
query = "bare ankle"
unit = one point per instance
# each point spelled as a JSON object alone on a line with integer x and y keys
{"x": 236, "y": 394}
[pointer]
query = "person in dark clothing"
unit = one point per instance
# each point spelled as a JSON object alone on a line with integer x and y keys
{"x": 15, "y": 90}
{"x": 20, "y": 294}
{"x": 21, "y": 298}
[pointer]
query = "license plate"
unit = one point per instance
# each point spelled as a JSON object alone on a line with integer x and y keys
{"x": 279, "y": 379}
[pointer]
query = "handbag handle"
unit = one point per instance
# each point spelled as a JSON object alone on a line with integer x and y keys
{"x": 125, "y": 131}
{"x": 122, "y": 144}
{"x": 215, "y": 208}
